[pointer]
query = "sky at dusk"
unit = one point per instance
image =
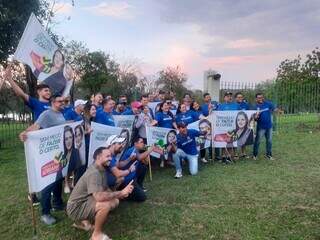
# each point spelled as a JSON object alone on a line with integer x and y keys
{"x": 243, "y": 40}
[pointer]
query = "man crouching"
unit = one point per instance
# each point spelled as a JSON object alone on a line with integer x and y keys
{"x": 91, "y": 200}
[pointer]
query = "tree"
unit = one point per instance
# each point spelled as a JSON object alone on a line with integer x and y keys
{"x": 98, "y": 69}
{"x": 298, "y": 83}
{"x": 173, "y": 79}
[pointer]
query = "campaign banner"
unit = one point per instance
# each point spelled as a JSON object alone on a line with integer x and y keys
{"x": 53, "y": 153}
{"x": 161, "y": 137}
{"x": 153, "y": 106}
{"x": 124, "y": 121}
{"x": 233, "y": 128}
{"x": 100, "y": 134}
{"x": 46, "y": 60}
{"x": 204, "y": 126}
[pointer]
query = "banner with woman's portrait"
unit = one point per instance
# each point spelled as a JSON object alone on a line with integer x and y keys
{"x": 233, "y": 128}
{"x": 53, "y": 153}
{"x": 42, "y": 55}
{"x": 100, "y": 134}
{"x": 204, "y": 126}
{"x": 124, "y": 121}
{"x": 162, "y": 138}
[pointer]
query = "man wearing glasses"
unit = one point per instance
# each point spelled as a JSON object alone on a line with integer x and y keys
{"x": 49, "y": 118}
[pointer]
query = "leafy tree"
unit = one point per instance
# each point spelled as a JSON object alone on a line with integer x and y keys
{"x": 98, "y": 69}
{"x": 173, "y": 79}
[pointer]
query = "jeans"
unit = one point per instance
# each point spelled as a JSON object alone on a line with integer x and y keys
{"x": 268, "y": 135}
{"x": 45, "y": 201}
{"x": 192, "y": 159}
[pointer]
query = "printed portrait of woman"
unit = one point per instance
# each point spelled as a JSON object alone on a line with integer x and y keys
{"x": 59, "y": 73}
{"x": 69, "y": 159}
{"x": 79, "y": 144}
{"x": 125, "y": 134}
{"x": 205, "y": 131}
{"x": 243, "y": 131}
{"x": 170, "y": 146}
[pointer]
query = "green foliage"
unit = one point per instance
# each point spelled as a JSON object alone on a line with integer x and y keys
{"x": 98, "y": 69}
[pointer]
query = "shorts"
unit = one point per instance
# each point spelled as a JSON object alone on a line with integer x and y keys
{"x": 83, "y": 210}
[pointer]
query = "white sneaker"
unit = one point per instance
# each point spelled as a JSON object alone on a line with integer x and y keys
{"x": 204, "y": 160}
{"x": 178, "y": 174}
{"x": 255, "y": 158}
{"x": 67, "y": 189}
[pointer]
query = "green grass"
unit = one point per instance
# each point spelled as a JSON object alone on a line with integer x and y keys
{"x": 248, "y": 200}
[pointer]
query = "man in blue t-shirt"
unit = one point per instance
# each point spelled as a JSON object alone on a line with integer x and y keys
{"x": 105, "y": 116}
{"x": 264, "y": 125}
{"x": 186, "y": 149}
{"x": 239, "y": 99}
{"x": 117, "y": 175}
{"x": 76, "y": 113}
{"x": 228, "y": 105}
{"x": 37, "y": 105}
{"x": 208, "y": 106}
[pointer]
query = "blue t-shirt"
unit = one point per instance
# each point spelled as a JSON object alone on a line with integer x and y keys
{"x": 205, "y": 107}
{"x": 71, "y": 114}
{"x": 196, "y": 114}
{"x": 37, "y": 106}
{"x": 186, "y": 117}
{"x": 244, "y": 105}
{"x": 228, "y": 106}
{"x": 265, "y": 119}
{"x": 164, "y": 120}
{"x": 127, "y": 154}
{"x": 105, "y": 118}
{"x": 187, "y": 142}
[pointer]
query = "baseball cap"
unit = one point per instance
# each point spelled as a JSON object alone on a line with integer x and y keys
{"x": 114, "y": 139}
{"x": 227, "y": 93}
{"x": 136, "y": 104}
{"x": 79, "y": 102}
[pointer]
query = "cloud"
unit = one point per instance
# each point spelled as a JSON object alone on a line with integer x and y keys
{"x": 63, "y": 8}
{"x": 247, "y": 43}
{"x": 118, "y": 9}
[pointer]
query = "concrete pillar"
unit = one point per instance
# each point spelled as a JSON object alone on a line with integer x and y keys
{"x": 211, "y": 84}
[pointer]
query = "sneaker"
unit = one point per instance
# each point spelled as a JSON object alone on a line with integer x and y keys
{"x": 269, "y": 157}
{"x": 48, "y": 219}
{"x": 67, "y": 189}
{"x": 204, "y": 160}
{"x": 255, "y": 158}
{"x": 178, "y": 175}
{"x": 162, "y": 164}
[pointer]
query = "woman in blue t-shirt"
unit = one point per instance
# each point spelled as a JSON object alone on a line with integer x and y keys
{"x": 183, "y": 115}
{"x": 164, "y": 117}
{"x": 196, "y": 111}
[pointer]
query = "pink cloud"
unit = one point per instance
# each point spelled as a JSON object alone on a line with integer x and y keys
{"x": 247, "y": 43}
{"x": 113, "y": 9}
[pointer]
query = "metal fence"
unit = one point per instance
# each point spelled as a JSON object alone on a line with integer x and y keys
{"x": 298, "y": 103}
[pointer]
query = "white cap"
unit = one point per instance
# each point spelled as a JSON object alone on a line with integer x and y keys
{"x": 114, "y": 139}
{"x": 79, "y": 102}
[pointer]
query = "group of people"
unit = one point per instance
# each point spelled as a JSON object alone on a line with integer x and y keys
{"x": 97, "y": 189}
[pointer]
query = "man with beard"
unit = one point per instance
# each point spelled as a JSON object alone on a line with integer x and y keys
{"x": 37, "y": 105}
{"x": 116, "y": 176}
{"x": 49, "y": 118}
{"x": 91, "y": 200}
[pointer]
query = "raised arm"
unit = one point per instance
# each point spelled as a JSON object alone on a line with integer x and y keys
{"x": 17, "y": 90}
